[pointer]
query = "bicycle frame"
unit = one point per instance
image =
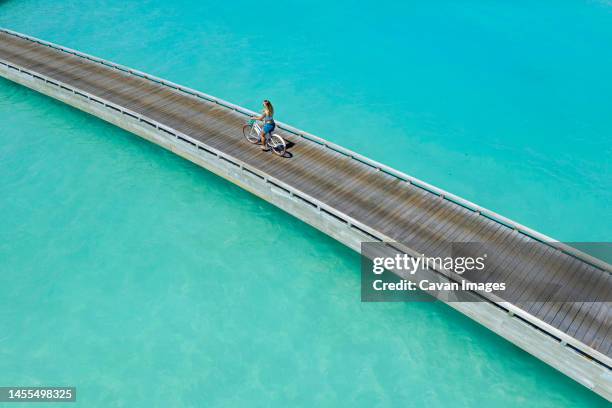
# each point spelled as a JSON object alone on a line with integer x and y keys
{"x": 259, "y": 129}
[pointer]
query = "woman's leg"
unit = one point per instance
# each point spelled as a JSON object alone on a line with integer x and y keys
{"x": 264, "y": 146}
{"x": 265, "y": 130}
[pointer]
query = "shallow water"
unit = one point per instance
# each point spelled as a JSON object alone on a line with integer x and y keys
{"x": 146, "y": 281}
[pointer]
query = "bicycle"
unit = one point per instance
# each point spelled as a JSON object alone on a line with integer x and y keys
{"x": 252, "y": 131}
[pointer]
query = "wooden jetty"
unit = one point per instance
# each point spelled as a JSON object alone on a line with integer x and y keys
{"x": 344, "y": 194}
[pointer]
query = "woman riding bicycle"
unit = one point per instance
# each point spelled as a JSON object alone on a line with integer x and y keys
{"x": 268, "y": 122}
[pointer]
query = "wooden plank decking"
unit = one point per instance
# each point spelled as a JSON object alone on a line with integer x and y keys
{"x": 387, "y": 205}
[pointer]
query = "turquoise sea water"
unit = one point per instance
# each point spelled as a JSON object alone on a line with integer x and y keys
{"x": 146, "y": 281}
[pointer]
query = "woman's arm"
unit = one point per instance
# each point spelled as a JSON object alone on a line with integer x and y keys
{"x": 258, "y": 117}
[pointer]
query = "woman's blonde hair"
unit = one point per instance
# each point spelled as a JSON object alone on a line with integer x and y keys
{"x": 268, "y": 108}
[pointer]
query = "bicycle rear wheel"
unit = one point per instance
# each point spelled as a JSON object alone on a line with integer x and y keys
{"x": 250, "y": 134}
{"x": 277, "y": 144}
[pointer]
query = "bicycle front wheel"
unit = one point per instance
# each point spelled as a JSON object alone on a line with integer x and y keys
{"x": 277, "y": 144}
{"x": 250, "y": 134}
